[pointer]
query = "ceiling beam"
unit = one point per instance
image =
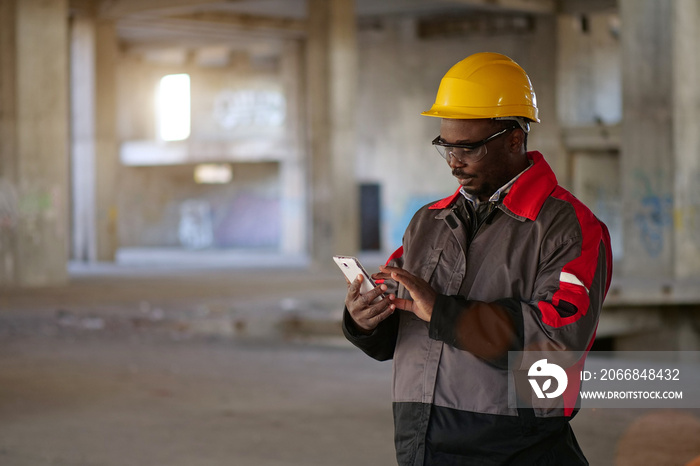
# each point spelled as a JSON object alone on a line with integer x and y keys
{"x": 587, "y": 6}
{"x": 247, "y": 22}
{"x": 161, "y": 32}
{"x": 115, "y": 9}
{"x": 522, "y": 6}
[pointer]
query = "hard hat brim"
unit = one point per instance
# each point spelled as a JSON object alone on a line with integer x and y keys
{"x": 472, "y": 113}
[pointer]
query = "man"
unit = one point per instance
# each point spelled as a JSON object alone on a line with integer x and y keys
{"x": 509, "y": 262}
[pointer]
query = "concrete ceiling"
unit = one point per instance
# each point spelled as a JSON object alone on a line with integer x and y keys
{"x": 297, "y": 8}
{"x": 262, "y": 26}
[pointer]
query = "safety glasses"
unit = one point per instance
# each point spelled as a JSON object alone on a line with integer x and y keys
{"x": 466, "y": 153}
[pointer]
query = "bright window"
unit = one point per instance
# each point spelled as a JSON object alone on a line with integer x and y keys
{"x": 174, "y": 107}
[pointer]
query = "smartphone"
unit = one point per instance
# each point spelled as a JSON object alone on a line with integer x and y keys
{"x": 351, "y": 268}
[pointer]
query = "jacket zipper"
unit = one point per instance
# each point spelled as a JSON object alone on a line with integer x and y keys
{"x": 472, "y": 221}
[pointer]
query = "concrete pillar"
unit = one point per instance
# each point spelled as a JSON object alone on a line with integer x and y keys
{"x": 292, "y": 167}
{"x": 541, "y": 60}
{"x": 686, "y": 118}
{"x": 660, "y": 142}
{"x": 8, "y": 143}
{"x": 84, "y": 237}
{"x": 34, "y": 148}
{"x": 332, "y": 95}
{"x": 107, "y": 165}
{"x": 647, "y": 164}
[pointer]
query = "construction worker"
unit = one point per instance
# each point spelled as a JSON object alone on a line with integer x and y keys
{"x": 510, "y": 262}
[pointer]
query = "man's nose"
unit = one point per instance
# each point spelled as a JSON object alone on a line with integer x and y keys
{"x": 453, "y": 161}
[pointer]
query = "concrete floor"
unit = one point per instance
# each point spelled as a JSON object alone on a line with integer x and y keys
{"x": 136, "y": 367}
{"x": 107, "y": 402}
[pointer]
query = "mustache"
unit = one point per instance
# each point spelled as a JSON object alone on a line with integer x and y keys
{"x": 459, "y": 173}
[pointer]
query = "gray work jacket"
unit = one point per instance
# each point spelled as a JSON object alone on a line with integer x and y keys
{"x": 531, "y": 276}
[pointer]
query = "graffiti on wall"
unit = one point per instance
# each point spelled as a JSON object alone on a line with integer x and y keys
{"x": 400, "y": 218}
{"x": 251, "y": 220}
{"x": 654, "y": 215}
{"x": 236, "y": 109}
{"x": 248, "y": 220}
{"x": 608, "y": 208}
{"x": 196, "y": 229}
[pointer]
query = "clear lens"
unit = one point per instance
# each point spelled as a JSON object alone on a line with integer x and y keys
{"x": 462, "y": 154}
{"x": 467, "y": 153}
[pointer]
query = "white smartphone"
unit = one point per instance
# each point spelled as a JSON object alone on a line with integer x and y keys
{"x": 351, "y": 268}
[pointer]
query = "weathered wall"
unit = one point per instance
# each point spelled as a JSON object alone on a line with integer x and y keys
{"x": 164, "y": 207}
{"x": 589, "y": 85}
{"x": 235, "y": 119}
{"x": 589, "y": 108}
{"x": 686, "y": 89}
{"x": 223, "y": 99}
{"x": 647, "y": 162}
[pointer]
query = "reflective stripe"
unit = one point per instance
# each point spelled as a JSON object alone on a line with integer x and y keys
{"x": 566, "y": 277}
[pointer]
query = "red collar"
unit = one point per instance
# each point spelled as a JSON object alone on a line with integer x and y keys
{"x": 528, "y": 193}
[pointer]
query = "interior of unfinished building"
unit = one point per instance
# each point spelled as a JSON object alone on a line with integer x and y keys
{"x": 176, "y": 175}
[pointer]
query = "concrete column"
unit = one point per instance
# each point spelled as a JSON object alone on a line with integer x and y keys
{"x": 648, "y": 165}
{"x": 8, "y": 143}
{"x": 541, "y": 61}
{"x": 332, "y": 94}
{"x": 107, "y": 165}
{"x": 34, "y": 119}
{"x": 84, "y": 238}
{"x": 686, "y": 118}
{"x": 292, "y": 167}
{"x": 660, "y": 142}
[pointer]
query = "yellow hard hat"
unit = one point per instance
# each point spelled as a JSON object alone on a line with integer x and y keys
{"x": 485, "y": 85}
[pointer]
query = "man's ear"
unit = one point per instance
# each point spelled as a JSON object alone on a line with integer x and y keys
{"x": 516, "y": 142}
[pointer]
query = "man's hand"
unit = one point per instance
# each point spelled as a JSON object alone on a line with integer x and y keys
{"x": 366, "y": 314}
{"x": 422, "y": 294}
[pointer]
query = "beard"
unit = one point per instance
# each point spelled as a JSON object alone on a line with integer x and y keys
{"x": 474, "y": 185}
